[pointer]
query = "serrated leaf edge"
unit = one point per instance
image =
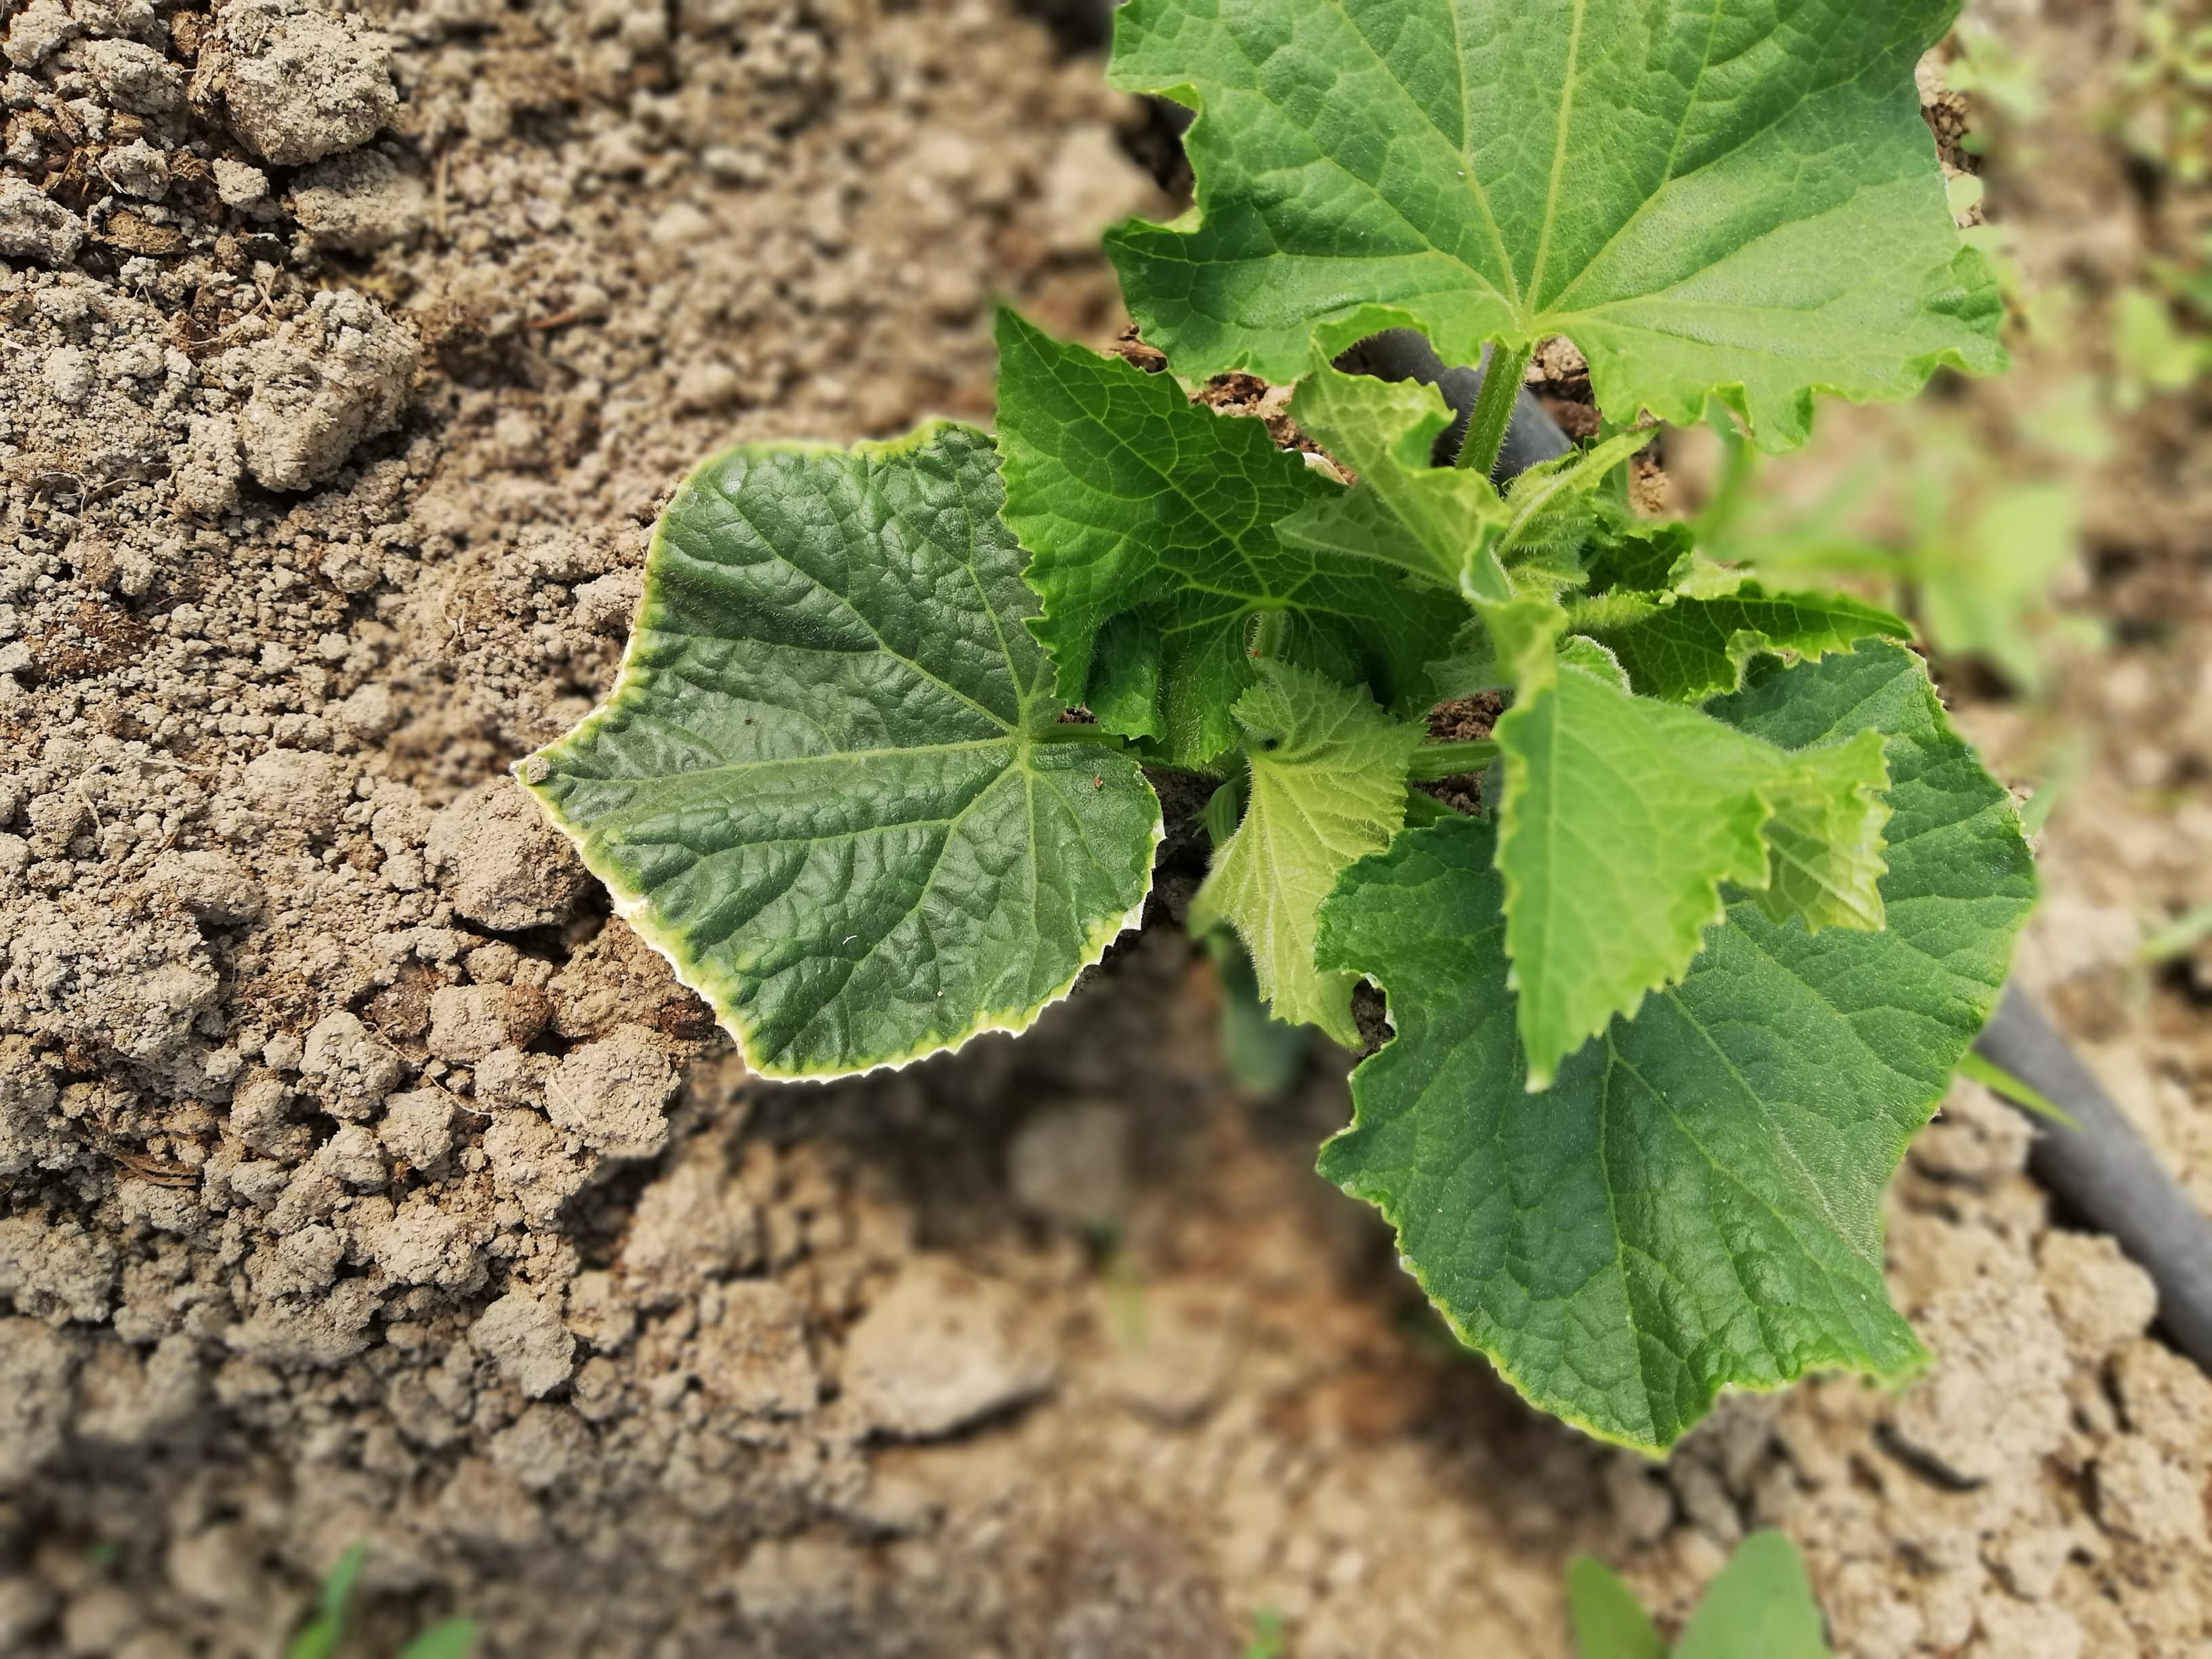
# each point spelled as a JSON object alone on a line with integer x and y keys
{"x": 1656, "y": 1450}
{"x": 1970, "y": 268}
{"x": 2007, "y": 808}
{"x": 1715, "y": 912}
{"x": 629, "y": 904}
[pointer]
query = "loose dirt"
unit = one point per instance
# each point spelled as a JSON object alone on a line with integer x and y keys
{"x": 360, "y": 1181}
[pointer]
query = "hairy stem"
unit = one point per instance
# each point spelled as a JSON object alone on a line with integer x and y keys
{"x": 1493, "y": 407}
{"x": 1432, "y": 761}
{"x": 1422, "y": 809}
{"x": 1272, "y": 634}
{"x": 1225, "y": 808}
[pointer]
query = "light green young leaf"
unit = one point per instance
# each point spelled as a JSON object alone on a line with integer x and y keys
{"x": 1595, "y": 660}
{"x": 1623, "y": 818}
{"x": 1761, "y": 1606}
{"x": 1696, "y": 1202}
{"x": 1685, "y": 649}
{"x": 323, "y": 1634}
{"x": 454, "y": 1639}
{"x": 1508, "y": 556}
{"x": 1559, "y": 509}
{"x": 830, "y": 786}
{"x": 1824, "y": 843}
{"x": 1435, "y": 522}
{"x": 1609, "y": 1622}
{"x": 1328, "y": 787}
{"x": 1153, "y": 522}
{"x": 1445, "y": 523}
{"x": 1736, "y": 200}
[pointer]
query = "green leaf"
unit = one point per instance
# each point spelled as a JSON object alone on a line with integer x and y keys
{"x": 1977, "y": 1067}
{"x": 1328, "y": 787}
{"x": 1609, "y": 1622}
{"x": 1761, "y": 1606}
{"x": 1622, "y": 820}
{"x": 1446, "y": 525}
{"x": 1824, "y": 843}
{"x": 1559, "y": 512}
{"x": 454, "y": 1639}
{"x": 1985, "y": 576}
{"x": 319, "y": 1638}
{"x": 1153, "y": 524}
{"x": 1696, "y": 1202}
{"x": 1726, "y": 199}
{"x": 830, "y": 785}
{"x": 1687, "y": 649}
{"x": 1260, "y": 1054}
{"x": 1508, "y": 556}
{"x": 1639, "y": 556}
{"x": 1427, "y": 519}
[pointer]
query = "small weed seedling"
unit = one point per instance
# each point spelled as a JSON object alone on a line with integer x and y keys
{"x": 1760, "y": 1607}
{"x": 1665, "y": 1014}
{"x": 324, "y": 1636}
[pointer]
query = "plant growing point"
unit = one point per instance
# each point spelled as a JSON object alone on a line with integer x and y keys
{"x": 1668, "y": 1011}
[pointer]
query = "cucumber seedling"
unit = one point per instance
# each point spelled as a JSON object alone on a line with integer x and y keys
{"x": 1668, "y": 1012}
{"x": 1759, "y": 1606}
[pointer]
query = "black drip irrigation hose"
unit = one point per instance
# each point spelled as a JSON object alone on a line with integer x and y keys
{"x": 2104, "y": 1169}
{"x": 1404, "y": 354}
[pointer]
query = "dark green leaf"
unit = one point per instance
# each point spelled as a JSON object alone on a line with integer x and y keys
{"x": 1732, "y": 199}
{"x": 830, "y": 786}
{"x": 1152, "y": 522}
{"x": 1696, "y": 1202}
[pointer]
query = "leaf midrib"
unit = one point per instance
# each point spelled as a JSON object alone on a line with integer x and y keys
{"x": 1560, "y": 145}
{"x": 1464, "y": 145}
{"x": 1531, "y": 315}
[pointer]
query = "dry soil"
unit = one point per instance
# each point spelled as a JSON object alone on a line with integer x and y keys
{"x": 360, "y": 1181}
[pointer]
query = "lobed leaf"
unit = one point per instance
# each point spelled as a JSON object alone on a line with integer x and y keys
{"x": 1736, "y": 199}
{"x": 828, "y": 785}
{"x": 1696, "y": 1203}
{"x": 1686, "y": 648}
{"x": 1761, "y": 1606}
{"x": 1609, "y": 1622}
{"x": 1327, "y": 788}
{"x": 1623, "y": 818}
{"x": 1154, "y": 525}
{"x": 1430, "y": 521}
